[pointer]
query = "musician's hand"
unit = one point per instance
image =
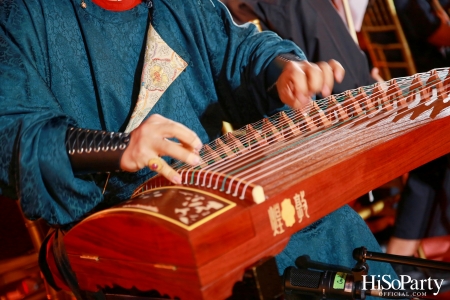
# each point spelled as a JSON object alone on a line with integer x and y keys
{"x": 375, "y": 73}
{"x": 150, "y": 140}
{"x": 299, "y": 80}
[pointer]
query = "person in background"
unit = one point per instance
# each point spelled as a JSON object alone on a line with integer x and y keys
{"x": 93, "y": 92}
{"x": 423, "y": 209}
{"x": 357, "y": 10}
{"x": 427, "y": 28}
{"x": 316, "y": 27}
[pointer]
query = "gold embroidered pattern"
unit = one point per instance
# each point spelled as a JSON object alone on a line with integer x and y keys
{"x": 161, "y": 67}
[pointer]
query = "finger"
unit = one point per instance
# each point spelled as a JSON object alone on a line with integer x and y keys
{"x": 375, "y": 73}
{"x": 295, "y": 81}
{"x": 300, "y": 90}
{"x": 285, "y": 90}
{"x": 314, "y": 78}
{"x": 302, "y": 101}
{"x": 328, "y": 78}
{"x": 288, "y": 96}
{"x": 292, "y": 85}
{"x": 293, "y": 98}
{"x": 159, "y": 165}
{"x": 178, "y": 151}
{"x": 184, "y": 146}
{"x": 186, "y": 136}
{"x": 338, "y": 70}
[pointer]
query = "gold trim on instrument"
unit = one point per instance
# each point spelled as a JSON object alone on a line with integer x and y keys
{"x": 165, "y": 267}
{"x": 90, "y": 257}
{"x": 229, "y": 206}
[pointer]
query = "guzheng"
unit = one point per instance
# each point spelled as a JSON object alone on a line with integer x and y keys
{"x": 259, "y": 185}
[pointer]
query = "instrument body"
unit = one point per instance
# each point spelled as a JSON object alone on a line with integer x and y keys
{"x": 195, "y": 241}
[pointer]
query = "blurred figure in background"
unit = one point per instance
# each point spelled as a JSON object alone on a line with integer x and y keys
{"x": 316, "y": 27}
{"x": 426, "y": 27}
{"x": 357, "y": 10}
{"x": 422, "y": 210}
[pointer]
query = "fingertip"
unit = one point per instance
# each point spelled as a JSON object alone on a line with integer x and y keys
{"x": 339, "y": 75}
{"x": 193, "y": 159}
{"x": 286, "y": 96}
{"x": 338, "y": 70}
{"x": 198, "y": 147}
{"x": 326, "y": 91}
{"x": 196, "y": 160}
{"x": 176, "y": 179}
{"x": 295, "y": 103}
{"x": 303, "y": 101}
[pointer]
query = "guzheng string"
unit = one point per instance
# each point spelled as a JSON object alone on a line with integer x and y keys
{"x": 213, "y": 157}
{"x": 284, "y": 127}
{"x": 216, "y": 152}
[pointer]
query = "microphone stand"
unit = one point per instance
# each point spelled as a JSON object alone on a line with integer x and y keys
{"x": 361, "y": 255}
{"x": 314, "y": 280}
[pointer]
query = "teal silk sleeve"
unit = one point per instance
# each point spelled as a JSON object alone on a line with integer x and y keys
{"x": 241, "y": 56}
{"x": 33, "y": 162}
{"x": 62, "y": 66}
{"x": 236, "y": 57}
{"x": 246, "y": 61}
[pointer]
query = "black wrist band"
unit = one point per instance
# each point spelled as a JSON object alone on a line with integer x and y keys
{"x": 94, "y": 151}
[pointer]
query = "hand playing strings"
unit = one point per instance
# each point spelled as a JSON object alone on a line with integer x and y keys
{"x": 150, "y": 140}
{"x": 299, "y": 80}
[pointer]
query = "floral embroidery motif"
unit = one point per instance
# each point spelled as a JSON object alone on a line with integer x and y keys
{"x": 159, "y": 78}
{"x": 161, "y": 67}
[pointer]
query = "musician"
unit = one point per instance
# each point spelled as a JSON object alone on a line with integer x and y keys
{"x": 134, "y": 81}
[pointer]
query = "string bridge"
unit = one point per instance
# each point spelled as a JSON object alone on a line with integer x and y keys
{"x": 210, "y": 180}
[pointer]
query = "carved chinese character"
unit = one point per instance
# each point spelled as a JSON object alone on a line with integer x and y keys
{"x": 275, "y": 219}
{"x": 301, "y": 206}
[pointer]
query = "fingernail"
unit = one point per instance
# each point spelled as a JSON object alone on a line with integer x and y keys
{"x": 304, "y": 100}
{"x": 326, "y": 90}
{"x": 196, "y": 160}
{"x": 176, "y": 179}
{"x": 198, "y": 147}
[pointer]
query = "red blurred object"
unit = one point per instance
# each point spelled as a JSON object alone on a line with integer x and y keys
{"x": 117, "y": 5}
{"x": 436, "y": 248}
{"x": 21, "y": 289}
